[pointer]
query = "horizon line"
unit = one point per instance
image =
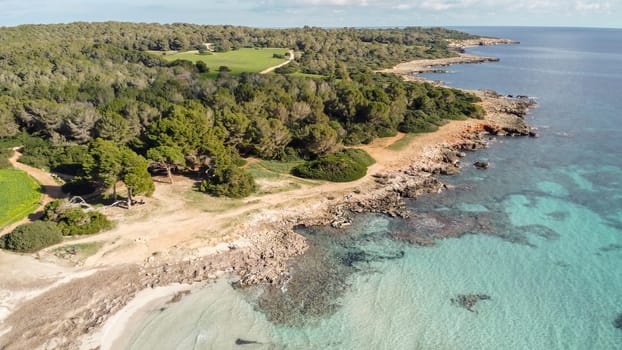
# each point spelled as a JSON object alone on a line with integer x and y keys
{"x": 316, "y": 26}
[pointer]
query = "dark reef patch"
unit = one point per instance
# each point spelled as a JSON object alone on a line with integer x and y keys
{"x": 468, "y": 301}
{"x": 611, "y": 248}
{"x": 558, "y": 215}
{"x": 319, "y": 277}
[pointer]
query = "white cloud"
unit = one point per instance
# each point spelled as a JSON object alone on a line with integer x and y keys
{"x": 592, "y": 6}
{"x": 321, "y": 12}
{"x": 444, "y": 5}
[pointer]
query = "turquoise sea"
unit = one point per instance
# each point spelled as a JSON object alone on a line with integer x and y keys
{"x": 543, "y": 234}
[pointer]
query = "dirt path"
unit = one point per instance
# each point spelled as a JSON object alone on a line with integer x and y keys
{"x": 51, "y": 189}
{"x": 271, "y": 69}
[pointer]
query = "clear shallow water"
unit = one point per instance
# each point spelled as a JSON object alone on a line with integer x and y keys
{"x": 546, "y": 244}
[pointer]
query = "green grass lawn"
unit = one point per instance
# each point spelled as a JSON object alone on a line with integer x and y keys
{"x": 239, "y": 61}
{"x": 19, "y": 195}
{"x": 271, "y": 169}
{"x": 403, "y": 143}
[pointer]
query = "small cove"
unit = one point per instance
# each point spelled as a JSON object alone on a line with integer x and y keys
{"x": 542, "y": 230}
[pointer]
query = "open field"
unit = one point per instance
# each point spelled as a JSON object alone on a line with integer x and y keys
{"x": 19, "y": 195}
{"x": 239, "y": 61}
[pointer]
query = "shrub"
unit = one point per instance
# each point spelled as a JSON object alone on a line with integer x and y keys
{"x": 32, "y": 237}
{"x": 234, "y": 183}
{"x": 201, "y": 67}
{"x": 36, "y": 152}
{"x": 359, "y": 156}
{"x": 419, "y": 121}
{"x": 5, "y": 154}
{"x": 345, "y": 166}
{"x": 75, "y": 221}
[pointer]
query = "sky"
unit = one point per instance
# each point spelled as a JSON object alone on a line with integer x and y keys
{"x": 324, "y": 13}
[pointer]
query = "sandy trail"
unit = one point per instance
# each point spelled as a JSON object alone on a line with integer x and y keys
{"x": 271, "y": 69}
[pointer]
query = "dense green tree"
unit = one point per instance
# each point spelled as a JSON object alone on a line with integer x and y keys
{"x": 270, "y": 137}
{"x": 166, "y": 157}
{"x": 67, "y": 84}
{"x": 318, "y": 139}
{"x": 224, "y": 177}
{"x": 8, "y": 108}
{"x": 104, "y": 164}
{"x": 135, "y": 175}
{"x": 114, "y": 127}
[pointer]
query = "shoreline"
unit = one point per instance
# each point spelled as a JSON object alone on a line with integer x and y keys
{"x": 427, "y": 66}
{"x": 125, "y": 321}
{"x": 267, "y": 237}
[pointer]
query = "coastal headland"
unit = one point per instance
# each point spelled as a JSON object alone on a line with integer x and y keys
{"x": 172, "y": 243}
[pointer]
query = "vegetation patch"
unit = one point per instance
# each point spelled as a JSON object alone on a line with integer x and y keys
{"x": 31, "y": 237}
{"x": 19, "y": 195}
{"x": 403, "y": 142}
{"x": 307, "y": 75}
{"x": 251, "y": 60}
{"x": 207, "y": 204}
{"x": 345, "y": 166}
{"x": 78, "y": 251}
{"x": 75, "y": 221}
{"x": 108, "y": 111}
{"x": 231, "y": 182}
{"x": 271, "y": 169}
{"x": 5, "y": 154}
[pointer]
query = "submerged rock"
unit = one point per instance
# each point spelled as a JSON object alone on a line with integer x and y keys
{"x": 178, "y": 296}
{"x": 468, "y": 301}
{"x": 481, "y": 164}
{"x": 241, "y": 341}
{"x": 618, "y": 321}
{"x": 611, "y": 247}
{"x": 539, "y": 230}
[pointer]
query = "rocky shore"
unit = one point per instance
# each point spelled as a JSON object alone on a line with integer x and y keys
{"x": 429, "y": 66}
{"x": 415, "y": 67}
{"x": 462, "y": 44}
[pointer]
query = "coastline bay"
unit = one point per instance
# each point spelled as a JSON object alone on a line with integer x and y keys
{"x": 555, "y": 288}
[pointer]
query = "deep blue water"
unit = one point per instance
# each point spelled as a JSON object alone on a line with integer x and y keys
{"x": 546, "y": 224}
